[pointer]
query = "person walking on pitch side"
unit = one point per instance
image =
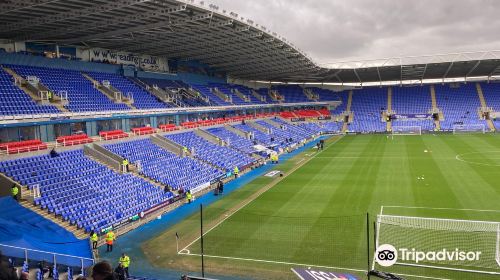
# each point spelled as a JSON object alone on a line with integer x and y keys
{"x": 110, "y": 238}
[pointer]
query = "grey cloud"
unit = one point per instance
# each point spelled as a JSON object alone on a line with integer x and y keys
{"x": 334, "y": 30}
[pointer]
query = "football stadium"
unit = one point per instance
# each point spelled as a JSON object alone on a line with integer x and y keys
{"x": 175, "y": 139}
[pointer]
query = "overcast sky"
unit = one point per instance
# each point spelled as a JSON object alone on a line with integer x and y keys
{"x": 347, "y": 30}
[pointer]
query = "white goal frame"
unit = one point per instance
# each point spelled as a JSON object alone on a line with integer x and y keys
{"x": 468, "y": 128}
{"x": 498, "y": 246}
{"x": 399, "y": 130}
{"x": 423, "y": 222}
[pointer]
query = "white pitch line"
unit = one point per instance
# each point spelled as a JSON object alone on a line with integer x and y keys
{"x": 307, "y": 265}
{"x": 385, "y": 157}
{"x": 457, "y": 157}
{"x": 248, "y": 202}
{"x": 278, "y": 262}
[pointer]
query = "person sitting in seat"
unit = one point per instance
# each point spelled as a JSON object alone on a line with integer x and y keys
{"x": 120, "y": 272}
{"x": 6, "y": 272}
{"x": 53, "y": 153}
{"x": 43, "y": 268}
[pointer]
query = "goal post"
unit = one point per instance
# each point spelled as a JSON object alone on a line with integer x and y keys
{"x": 446, "y": 244}
{"x": 469, "y": 128}
{"x": 406, "y": 130}
{"x": 498, "y": 246}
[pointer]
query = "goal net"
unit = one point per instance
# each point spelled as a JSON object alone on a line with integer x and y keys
{"x": 459, "y": 245}
{"x": 467, "y": 129}
{"x": 406, "y": 130}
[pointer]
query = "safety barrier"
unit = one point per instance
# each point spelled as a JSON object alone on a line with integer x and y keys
{"x": 52, "y": 257}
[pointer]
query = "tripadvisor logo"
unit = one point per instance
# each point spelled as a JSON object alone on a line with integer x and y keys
{"x": 387, "y": 255}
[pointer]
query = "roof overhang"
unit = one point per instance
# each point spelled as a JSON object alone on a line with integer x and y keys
{"x": 187, "y": 30}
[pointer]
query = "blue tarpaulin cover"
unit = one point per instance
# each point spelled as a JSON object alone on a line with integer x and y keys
{"x": 21, "y": 227}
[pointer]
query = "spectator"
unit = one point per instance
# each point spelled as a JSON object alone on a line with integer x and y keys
{"x": 53, "y": 153}
{"x": 24, "y": 276}
{"x": 103, "y": 271}
{"x": 120, "y": 272}
{"x": 43, "y": 268}
{"x": 7, "y": 272}
{"x": 81, "y": 278}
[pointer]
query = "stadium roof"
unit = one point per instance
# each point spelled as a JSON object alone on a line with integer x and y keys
{"x": 189, "y": 30}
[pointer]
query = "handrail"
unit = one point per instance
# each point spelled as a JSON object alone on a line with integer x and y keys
{"x": 44, "y": 252}
{"x": 156, "y": 111}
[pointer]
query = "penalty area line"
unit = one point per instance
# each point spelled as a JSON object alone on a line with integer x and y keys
{"x": 272, "y": 184}
{"x": 277, "y": 262}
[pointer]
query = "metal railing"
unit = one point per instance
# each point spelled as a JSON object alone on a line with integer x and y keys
{"x": 52, "y": 257}
{"x": 98, "y": 114}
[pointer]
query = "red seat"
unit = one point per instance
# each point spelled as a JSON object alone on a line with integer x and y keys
{"x": 143, "y": 130}
{"x": 77, "y": 139}
{"x": 113, "y": 134}
{"x": 169, "y": 127}
{"x": 23, "y": 146}
{"x": 189, "y": 124}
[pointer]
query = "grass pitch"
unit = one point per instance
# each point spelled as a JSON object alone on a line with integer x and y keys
{"x": 316, "y": 215}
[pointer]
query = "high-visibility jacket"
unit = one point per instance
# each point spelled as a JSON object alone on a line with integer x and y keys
{"x": 189, "y": 196}
{"x": 110, "y": 237}
{"x": 94, "y": 237}
{"x": 125, "y": 162}
{"x": 125, "y": 261}
{"x": 15, "y": 191}
{"x": 236, "y": 170}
